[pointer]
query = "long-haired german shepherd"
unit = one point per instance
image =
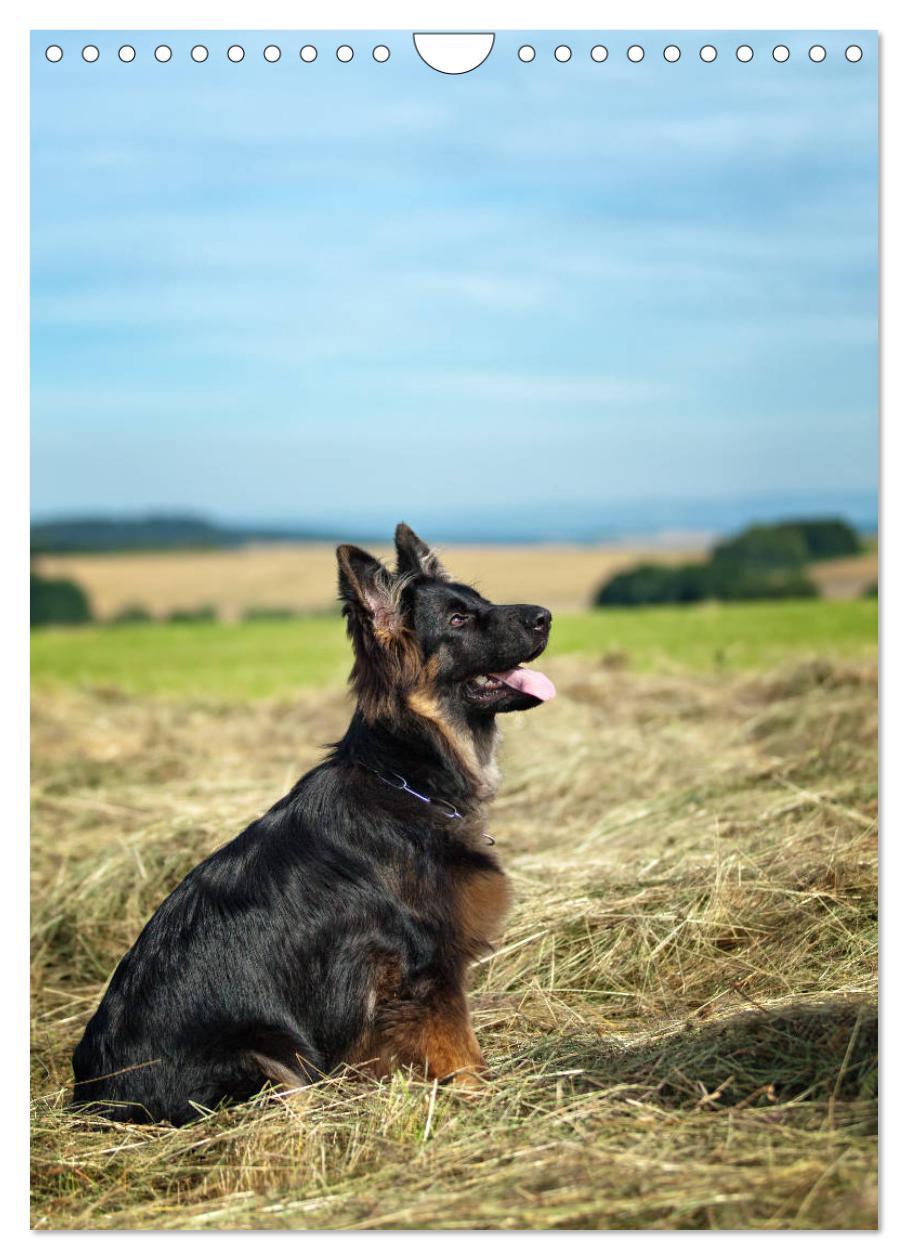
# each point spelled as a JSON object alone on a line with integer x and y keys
{"x": 338, "y": 928}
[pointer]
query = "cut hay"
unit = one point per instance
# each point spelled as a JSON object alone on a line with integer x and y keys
{"x": 681, "y": 1017}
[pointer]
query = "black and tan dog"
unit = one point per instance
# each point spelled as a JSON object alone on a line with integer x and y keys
{"x": 339, "y": 927}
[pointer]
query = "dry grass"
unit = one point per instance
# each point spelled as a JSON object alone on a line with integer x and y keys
{"x": 681, "y": 1017}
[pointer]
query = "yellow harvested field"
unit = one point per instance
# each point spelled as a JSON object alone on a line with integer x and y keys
{"x": 848, "y": 577}
{"x": 303, "y": 577}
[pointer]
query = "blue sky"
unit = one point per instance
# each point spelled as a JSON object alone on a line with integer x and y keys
{"x": 296, "y": 292}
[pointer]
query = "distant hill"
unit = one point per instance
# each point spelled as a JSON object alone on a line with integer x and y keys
{"x": 572, "y": 522}
{"x": 152, "y": 533}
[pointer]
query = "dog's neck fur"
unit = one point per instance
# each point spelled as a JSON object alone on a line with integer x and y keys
{"x": 436, "y": 756}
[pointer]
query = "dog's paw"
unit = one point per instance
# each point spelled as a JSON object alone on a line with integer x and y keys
{"x": 468, "y": 1082}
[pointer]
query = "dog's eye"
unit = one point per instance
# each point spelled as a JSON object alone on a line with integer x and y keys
{"x": 458, "y": 619}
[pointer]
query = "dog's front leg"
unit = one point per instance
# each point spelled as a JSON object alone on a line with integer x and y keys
{"x": 434, "y": 1035}
{"x": 451, "y": 1052}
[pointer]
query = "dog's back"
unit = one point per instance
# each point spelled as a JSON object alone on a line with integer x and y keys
{"x": 253, "y": 960}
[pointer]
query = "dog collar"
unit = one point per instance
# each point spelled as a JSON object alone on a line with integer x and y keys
{"x": 403, "y": 786}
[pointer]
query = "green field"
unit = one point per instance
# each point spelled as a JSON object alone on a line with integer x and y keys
{"x": 263, "y": 659}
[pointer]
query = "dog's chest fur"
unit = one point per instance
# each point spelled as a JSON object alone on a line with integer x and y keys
{"x": 465, "y": 890}
{"x": 480, "y": 900}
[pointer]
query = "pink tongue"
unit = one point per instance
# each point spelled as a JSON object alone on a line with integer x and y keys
{"x": 531, "y": 681}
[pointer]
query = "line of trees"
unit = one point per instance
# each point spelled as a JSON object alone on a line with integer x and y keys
{"x": 762, "y": 562}
{"x": 58, "y": 602}
{"x": 62, "y": 602}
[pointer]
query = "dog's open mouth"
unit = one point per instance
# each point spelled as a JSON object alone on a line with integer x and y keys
{"x": 532, "y": 682}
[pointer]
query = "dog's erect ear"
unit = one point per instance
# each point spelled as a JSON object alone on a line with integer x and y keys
{"x": 387, "y": 661}
{"x": 415, "y": 556}
{"x": 367, "y": 590}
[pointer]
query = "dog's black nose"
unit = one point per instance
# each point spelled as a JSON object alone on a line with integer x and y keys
{"x": 542, "y": 620}
{"x": 531, "y": 617}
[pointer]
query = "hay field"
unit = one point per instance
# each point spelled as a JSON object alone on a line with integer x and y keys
{"x": 302, "y": 578}
{"x": 681, "y": 1016}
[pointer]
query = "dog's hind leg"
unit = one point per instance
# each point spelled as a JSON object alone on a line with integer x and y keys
{"x": 282, "y": 1056}
{"x": 281, "y": 1073}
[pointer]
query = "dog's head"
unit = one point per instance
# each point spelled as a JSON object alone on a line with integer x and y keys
{"x": 422, "y": 639}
